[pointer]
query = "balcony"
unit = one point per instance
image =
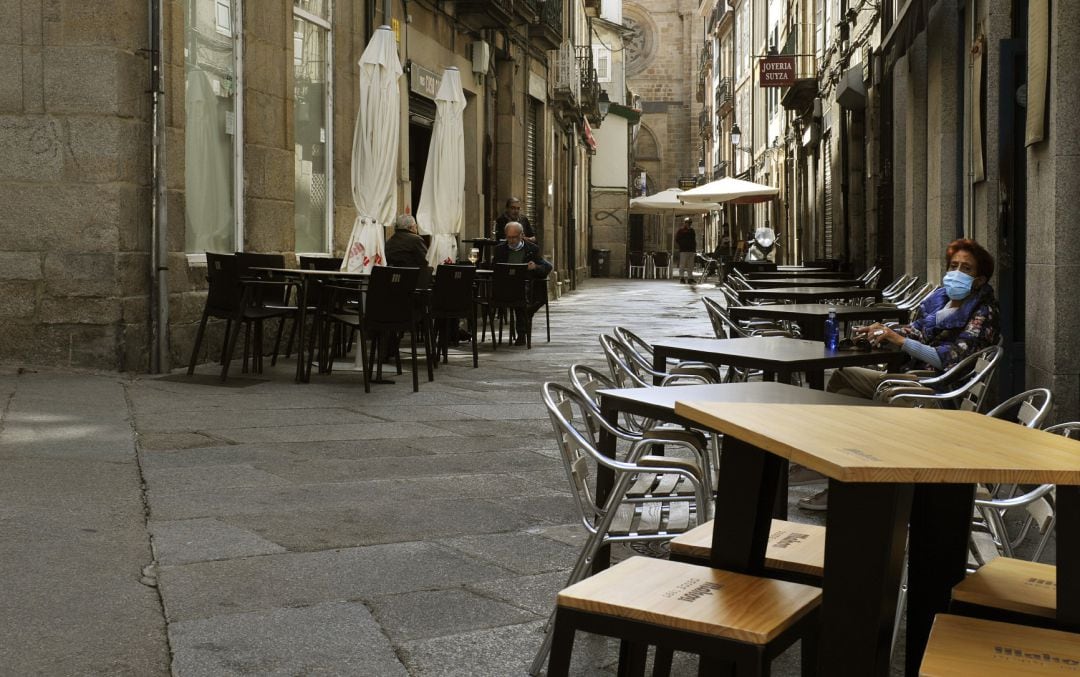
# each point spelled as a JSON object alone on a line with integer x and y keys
{"x": 705, "y": 126}
{"x": 724, "y": 97}
{"x": 720, "y": 170}
{"x": 590, "y": 86}
{"x": 485, "y": 13}
{"x": 567, "y": 89}
{"x": 547, "y": 30}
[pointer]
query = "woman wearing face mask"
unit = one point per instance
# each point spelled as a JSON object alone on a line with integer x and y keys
{"x": 956, "y": 320}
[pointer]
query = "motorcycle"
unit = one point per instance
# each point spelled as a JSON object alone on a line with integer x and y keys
{"x": 763, "y": 246}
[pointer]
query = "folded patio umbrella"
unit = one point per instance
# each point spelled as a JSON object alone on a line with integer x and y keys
{"x": 442, "y": 195}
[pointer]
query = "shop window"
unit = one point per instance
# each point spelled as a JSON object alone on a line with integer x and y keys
{"x": 313, "y": 198}
{"x": 212, "y": 134}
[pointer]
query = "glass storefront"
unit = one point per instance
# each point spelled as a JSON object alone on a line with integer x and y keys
{"x": 211, "y": 130}
{"x": 311, "y": 59}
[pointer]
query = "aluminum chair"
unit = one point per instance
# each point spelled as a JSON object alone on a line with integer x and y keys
{"x": 629, "y": 371}
{"x": 961, "y": 387}
{"x": 644, "y": 350}
{"x": 660, "y": 513}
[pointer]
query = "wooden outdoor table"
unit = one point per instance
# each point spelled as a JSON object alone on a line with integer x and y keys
{"x": 658, "y": 404}
{"x": 779, "y": 357}
{"x": 809, "y": 294}
{"x": 784, "y": 282}
{"x": 303, "y": 360}
{"x": 811, "y": 316}
{"x": 895, "y": 474}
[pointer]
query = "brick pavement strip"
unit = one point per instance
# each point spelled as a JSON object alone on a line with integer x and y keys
{"x": 300, "y": 529}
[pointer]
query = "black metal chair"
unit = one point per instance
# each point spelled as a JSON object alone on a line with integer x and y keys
{"x": 238, "y": 301}
{"x": 511, "y": 290}
{"x": 390, "y": 308}
{"x": 451, "y": 301}
{"x": 249, "y": 264}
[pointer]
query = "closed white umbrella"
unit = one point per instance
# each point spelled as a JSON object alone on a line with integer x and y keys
{"x": 729, "y": 189}
{"x": 375, "y": 152}
{"x": 442, "y": 196}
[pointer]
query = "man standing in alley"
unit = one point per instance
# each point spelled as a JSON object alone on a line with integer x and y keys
{"x": 512, "y": 213}
{"x": 686, "y": 241}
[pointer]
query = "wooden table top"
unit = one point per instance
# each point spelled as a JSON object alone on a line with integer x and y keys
{"x": 766, "y": 392}
{"x": 896, "y": 445}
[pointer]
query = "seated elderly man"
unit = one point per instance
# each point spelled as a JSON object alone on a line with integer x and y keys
{"x": 405, "y": 248}
{"x": 516, "y": 249}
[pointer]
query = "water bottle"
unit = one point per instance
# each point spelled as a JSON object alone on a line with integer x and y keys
{"x": 832, "y": 330}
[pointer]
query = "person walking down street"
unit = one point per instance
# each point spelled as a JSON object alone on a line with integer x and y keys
{"x": 512, "y": 213}
{"x": 686, "y": 241}
{"x": 516, "y": 249}
{"x": 958, "y": 319}
{"x": 405, "y": 248}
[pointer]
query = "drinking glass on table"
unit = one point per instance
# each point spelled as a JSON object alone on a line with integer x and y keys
{"x": 474, "y": 255}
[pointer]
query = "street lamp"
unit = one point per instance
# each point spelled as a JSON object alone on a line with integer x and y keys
{"x": 736, "y": 134}
{"x": 605, "y": 104}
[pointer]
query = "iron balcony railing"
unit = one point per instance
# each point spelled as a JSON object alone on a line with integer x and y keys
{"x": 723, "y": 93}
{"x": 551, "y": 14}
{"x": 567, "y": 72}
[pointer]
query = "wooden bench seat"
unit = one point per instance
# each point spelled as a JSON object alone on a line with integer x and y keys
{"x": 792, "y": 547}
{"x": 687, "y": 607}
{"x": 1012, "y": 585}
{"x": 961, "y": 647}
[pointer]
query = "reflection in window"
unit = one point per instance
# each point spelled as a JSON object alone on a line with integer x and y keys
{"x": 312, "y": 191}
{"x": 210, "y": 132}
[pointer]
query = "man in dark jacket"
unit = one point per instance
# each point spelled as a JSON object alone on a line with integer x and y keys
{"x": 516, "y": 249}
{"x": 513, "y": 213}
{"x": 405, "y": 248}
{"x": 686, "y": 242}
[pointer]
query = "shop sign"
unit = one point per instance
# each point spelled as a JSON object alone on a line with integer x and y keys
{"x": 776, "y": 71}
{"x": 423, "y": 81}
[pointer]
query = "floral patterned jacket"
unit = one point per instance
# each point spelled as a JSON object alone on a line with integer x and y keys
{"x": 971, "y": 328}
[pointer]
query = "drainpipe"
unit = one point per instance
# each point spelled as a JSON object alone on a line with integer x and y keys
{"x": 159, "y": 296}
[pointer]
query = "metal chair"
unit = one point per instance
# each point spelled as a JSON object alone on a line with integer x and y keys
{"x": 644, "y": 350}
{"x": 962, "y": 387}
{"x": 661, "y": 265}
{"x": 451, "y": 301}
{"x": 653, "y": 498}
{"x": 636, "y": 263}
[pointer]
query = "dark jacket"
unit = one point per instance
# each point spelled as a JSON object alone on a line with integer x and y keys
{"x": 500, "y": 225}
{"x": 686, "y": 239}
{"x": 532, "y": 253}
{"x": 407, "y": 250}
{"x": 971, "y": 328}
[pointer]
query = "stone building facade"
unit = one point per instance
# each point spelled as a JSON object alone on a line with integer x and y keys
{"x": 141, "y": 133}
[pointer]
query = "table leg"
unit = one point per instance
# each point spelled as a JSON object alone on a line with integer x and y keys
{"x": 864, "y": 556}
{"x": 1068, "y": 557}
{"x": 937, "y": 558}
{"x": 302, "y": 372}
{"x": 605, "y": 478}
{"x": 747, "y": 487}
{"x": 767, "y": 375}
{"x": 816, "y": 378}
{"x": 659, "y": 361}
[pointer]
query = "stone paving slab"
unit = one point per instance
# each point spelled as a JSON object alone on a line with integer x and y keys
{"x": 207, "y": 589}
{"x": 203, "y": 540}
{"x": 408, "y": 616}
{"x": 186, "y": 419}
{"x": 337, "y": 638}
{"x": 320, "y": 433}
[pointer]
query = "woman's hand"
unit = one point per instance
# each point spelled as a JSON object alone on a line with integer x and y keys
{"x": 878, "y": 334}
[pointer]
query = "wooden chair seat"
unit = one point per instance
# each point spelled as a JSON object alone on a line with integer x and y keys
{"x": 681, "y": 606}
{"x": 792, "y": 547}
{"x": 1012, "y": 585}
{"x": 960, "y": 647}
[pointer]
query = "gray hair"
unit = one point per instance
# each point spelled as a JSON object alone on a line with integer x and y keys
{"x": 404, "y": 222}
{"x": 515, "y": 224}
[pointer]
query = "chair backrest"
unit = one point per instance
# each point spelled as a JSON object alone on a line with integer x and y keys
{"x": 895, "y": 284}
{"x": 622, "y": 370}
{"x": 637, "y": 259}
{"x": 975, "y": 382}
{"x": 577, "y": 446}
{"x": 453, "y": 292}
{"x": 389, "y": 298}
{"x": 661, "y": 259}
{"x": 246, "y": 262}
{"x": 1070, "y": 429}
{"x": 1028, "y": 408}
{"x": 320, "y": 262}
{"x": 723, "y": 326}
{"x": 224, "y": 292}
{"x": 586, "y": 381}
{"x": 913, "y": 299}
{"x": 510, "y": 284}
{"x": 901, "y": 291}
{"x": 634, "y": 343}
{"x": 871, "y": 280}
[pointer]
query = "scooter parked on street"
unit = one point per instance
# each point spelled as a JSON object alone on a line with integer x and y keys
{"x": 763, "y": 246}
